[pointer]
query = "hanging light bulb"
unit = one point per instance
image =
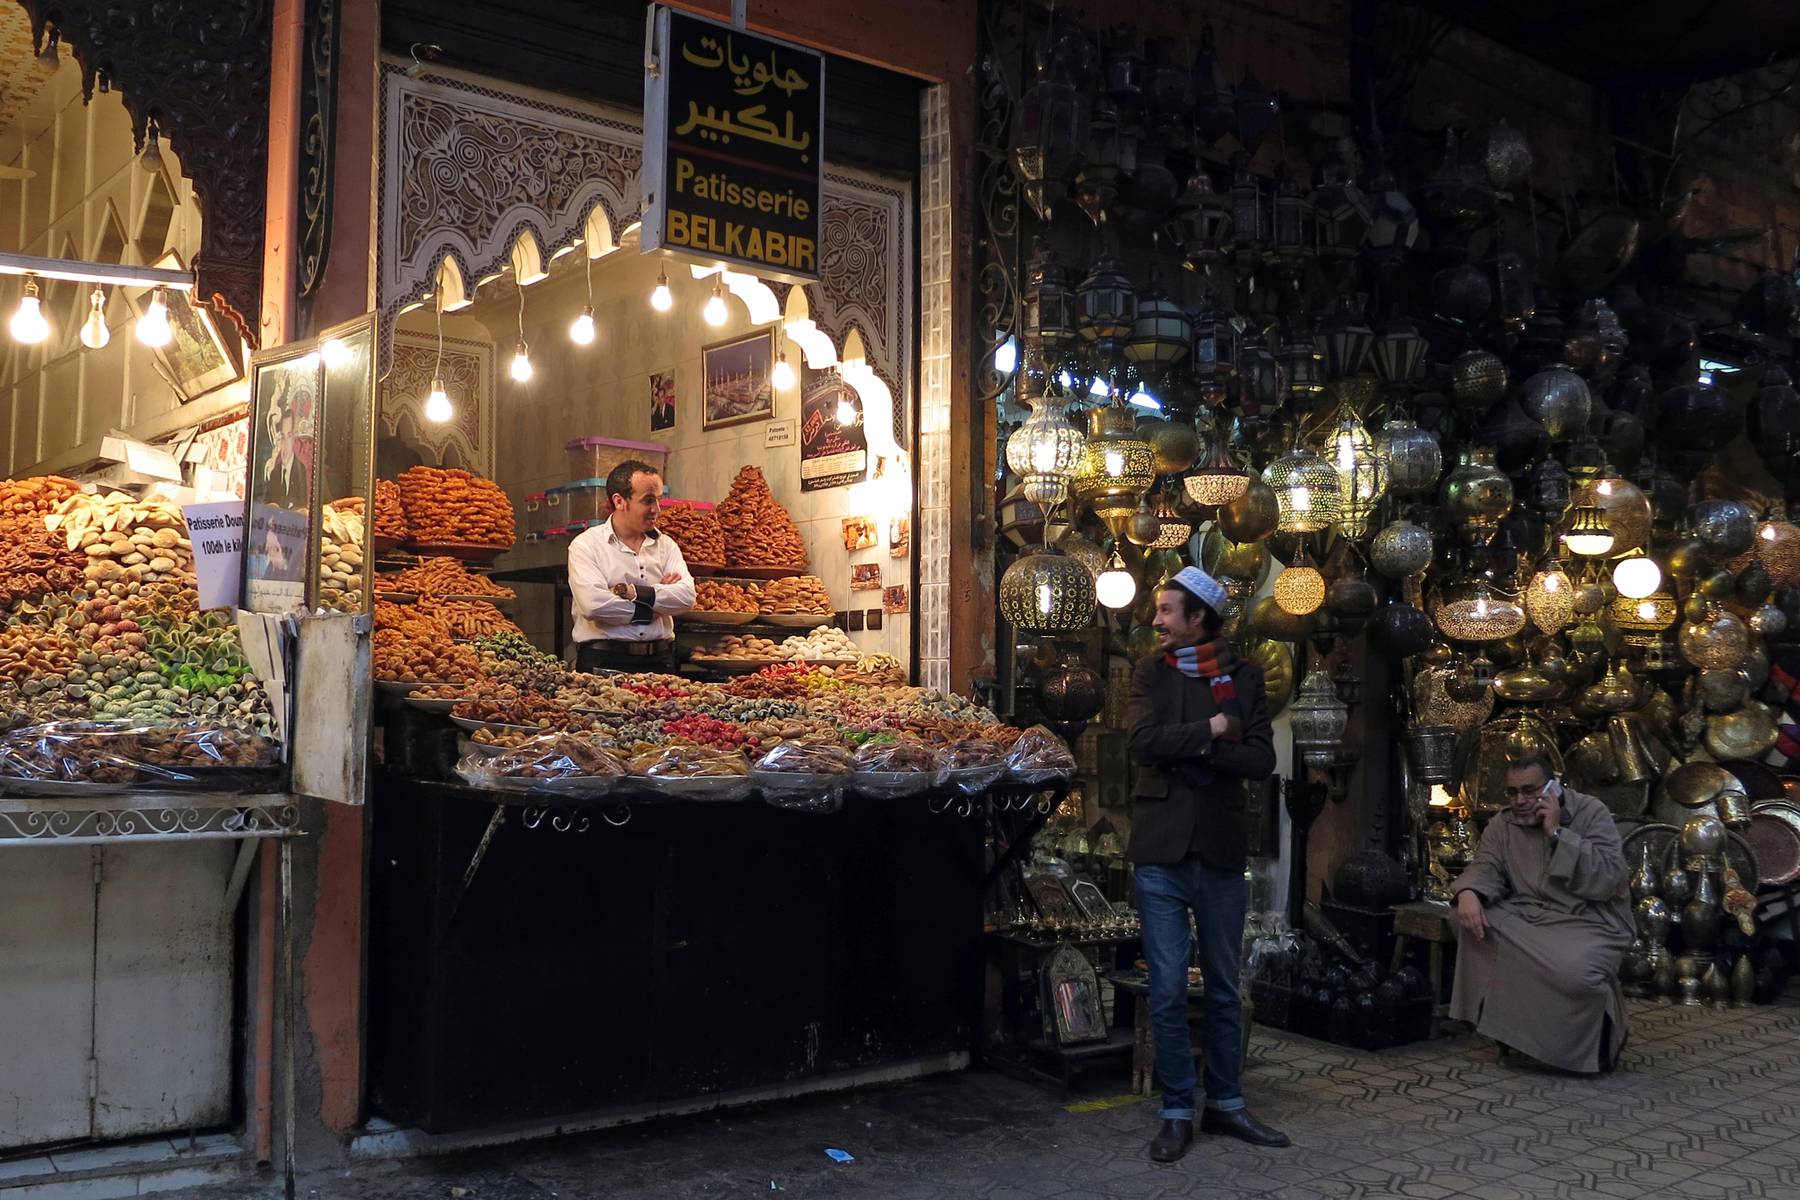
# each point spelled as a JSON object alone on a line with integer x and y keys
{"x": 783, "y": 374}
{"x": 1114, "y": 587}
{"x": 1588, "y": 535}
{"x": 521, "y": 362}
{"x": 1637, "y": 576}
{"x": 438, "y": 408}
{"x": 661, "y": 298}
{"x": 715, "y": 311}
{"x": 94, "y": 333}
{"x": 150, "y": 161}
{"x": 153, "y": 326}
{"x": 846, "y": 411}
{"x": 581, "y": 330}
{"x": 28, "y": 325}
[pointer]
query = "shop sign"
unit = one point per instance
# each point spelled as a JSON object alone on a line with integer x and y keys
{"x": 833, "y": 452}
{"x": 734, "y": 129}
{"x": 217, "y": 534}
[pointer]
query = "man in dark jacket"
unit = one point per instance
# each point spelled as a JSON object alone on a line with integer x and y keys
{"x": 1199, "y": 729}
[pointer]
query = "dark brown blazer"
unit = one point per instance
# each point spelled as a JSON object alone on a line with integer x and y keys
{"x": 1190, "y": 786}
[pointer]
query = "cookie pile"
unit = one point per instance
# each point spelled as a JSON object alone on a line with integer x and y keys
{"x": 799, "y": 595}
{"x": 758, "y": 531}
{"x": 697, "y": 531}
{"x": 454, "y": 506}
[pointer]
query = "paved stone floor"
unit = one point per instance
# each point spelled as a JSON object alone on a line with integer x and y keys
{"x": 1707, "y": 1105}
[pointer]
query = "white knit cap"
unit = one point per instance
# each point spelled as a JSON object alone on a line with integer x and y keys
{"x": 1201, "y": 586}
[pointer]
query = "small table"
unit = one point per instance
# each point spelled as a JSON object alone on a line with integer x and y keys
{"x": 1143, "y": 1044}
{"x": 1430, "y": 922}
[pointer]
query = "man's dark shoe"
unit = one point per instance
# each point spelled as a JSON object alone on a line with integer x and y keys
{"x": 1242, "y": 1126}
{"x": 1172, "y": 1142}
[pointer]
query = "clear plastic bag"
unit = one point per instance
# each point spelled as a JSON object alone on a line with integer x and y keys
{"x": 1039, "y": 757}
{"x": 692, "y": 773}
{"x": 889, "y": 770}
{"x": 809, "y": 773}
{"x": 972, "y": 765}
{"x": 115, "y": 755}
{"x": 556, "y": 764}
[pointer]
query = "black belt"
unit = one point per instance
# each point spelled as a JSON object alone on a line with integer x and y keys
{"x": 610, "y": 650}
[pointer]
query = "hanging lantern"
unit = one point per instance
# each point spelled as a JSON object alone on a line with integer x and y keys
{"x": 1250, "y": 215}
{"x": 1318, "y": 719}
{"x": 1252, "y": 516}
{"x": 1174, "y": 444}
{"x": 1641, "y": 621}
{"x": 1398, "y": 351}
{"x": 1116, "y": 468}
{"x": 1414, "y": 458}
{"x": 1087, "y": 553}
{"x": 1201, "y": 222}
{"x": 1339, "y": 208}
{"x": 1044, "y": 452}
{"x": 1301, "y": 359}
{"x": 1107, "y": 303}
{"x": 1212, "y": 363}
{"x": 1557, "y": 398}
{"x": 1550, "y": 486}
{"x": 1294, "y": 241}
{"x": 1477, "y": 380}
{"x": 1550, "y": 598}
{"x": 1636, "y": 576}
{"x": 1115, "y": 587}
{"x": 1718, "y": 642}
{"x": 1299, "y": 588}
{"x": 1476, "y": 494}
{"x": 1219, "y": 479}
{"x": 1262, "y": 380}
{"x": 1393, "y": 221}
{"x": 1344, "y": 339}
{"x": 1051, "y": 312}
{"x": 1473, "y": 611}
{"x": 1173, "y": 529}
{"x": 1623, "y": 507}
{"x": 1725, "y": 527}
{"x": 1362, "y": 472}
{"x": 1587, "y": 534}
{"x": 1143, "y": 528}
{"x": 1045, "y": 591}
{"x": 1048, "y": 131}
{"x": 1097, "y": 179}
{"x": 1778, "y": 549}
{"x": 1401, "y": 549}
{"x": 1307, "y": 490}
{"x": 1162, "y": 334}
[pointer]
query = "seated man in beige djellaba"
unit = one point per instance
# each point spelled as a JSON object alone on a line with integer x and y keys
{"x": 1543, "y": 918}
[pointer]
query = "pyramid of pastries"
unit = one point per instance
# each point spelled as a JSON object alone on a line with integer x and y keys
{"x": 455, "y": 506}
{"x": 758, "y": 531}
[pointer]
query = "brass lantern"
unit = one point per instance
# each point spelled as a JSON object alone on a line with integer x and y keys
{"x": 1051, "y": 315}
{"x": 1550, "y": 598}
{"x": 1162, "y": 333}
{"x": 1116, "y": 469}
{"x": 1044, "y": 452}
{"x": 1108, "y": 305}
{"x": 1474, "y": 610}
{"x": 1262, "y": 380}
{"x": 1307, "y": 490}
{"x": 1587, "y": 534}
{"x": 1302, "y": 359}
{"x": 1174, "y": 529}
{"x": 1344, "y": 338}
{"x": 1299, "y": 589}
{"x": 1476, "y": 494}
{"x": 1414, "y": 458}
{"x": 1047, "y": 132}
{"x": 1318, "y": 719}
{"x": 1219, "y": 479}
{"x": 1046, "y": 591}
{"x": 1362, "y": 472}
{"x": 1642, "y": 622}
{"x": 1294, "y": 241}
{"x": 1212, "y": 363}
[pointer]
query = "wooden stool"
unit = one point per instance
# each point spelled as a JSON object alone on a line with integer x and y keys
{"x": 1430, "y": 923}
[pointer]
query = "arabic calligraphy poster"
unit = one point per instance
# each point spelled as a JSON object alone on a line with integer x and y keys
{"x": 734, "y": 146}
{"x": 834, "y": 446}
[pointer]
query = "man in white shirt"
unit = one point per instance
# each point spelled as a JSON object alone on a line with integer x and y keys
{"x": 628, "y": 578}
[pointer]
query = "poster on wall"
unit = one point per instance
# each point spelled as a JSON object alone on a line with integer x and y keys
{"x": 197, "y": 357}
{"x": 662, "y": 401}
{"x": 737, "y": 381}
{"x": 283, "y": 439}
{"x": 834, "y": 446}
{"x": 734, "y": 132}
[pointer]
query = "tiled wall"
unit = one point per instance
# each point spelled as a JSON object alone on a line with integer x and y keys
{"x": 603, "y": 390}
{"x": 932, "y": 461}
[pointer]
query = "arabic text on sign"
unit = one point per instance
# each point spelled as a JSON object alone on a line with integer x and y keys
{"x": 748, "y": 78}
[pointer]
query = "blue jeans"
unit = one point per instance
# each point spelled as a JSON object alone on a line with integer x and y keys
{"x": 1218, "y": 900}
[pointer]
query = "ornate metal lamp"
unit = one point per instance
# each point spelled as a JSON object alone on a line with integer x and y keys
{"x": 1200, "y": 223}
{"x": 1116, "y": 469}
{"x": 1045, "y": 591}
{"x": 1044, "y": 453}
{"x": 1212, "y": 362}
{"x": 1048, "y": 130}
{"x": 1307, "y": 490}
{"x": 1318, "y": 720}
{"x": 1218, "y": 479}
{"x": 1362, "y": 471}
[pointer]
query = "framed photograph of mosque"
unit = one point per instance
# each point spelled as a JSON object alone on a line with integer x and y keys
{"x": 736, "y": 374}
{"x": 199, "y": 357}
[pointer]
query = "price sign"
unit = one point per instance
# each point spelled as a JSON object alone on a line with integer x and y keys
{"x": 217, "y": 532}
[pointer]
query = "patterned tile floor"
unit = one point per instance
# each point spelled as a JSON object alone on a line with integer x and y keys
{"x": 1707, "y": 1106}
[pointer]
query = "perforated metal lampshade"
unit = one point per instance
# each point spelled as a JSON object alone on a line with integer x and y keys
{"x": 1116, "y": 469}
{"x": 1044, "y": 452}
{"x": 1046, "y": 591}
{"x": 1218, "y": 479}
{"x": 1362, "y": 472}
{"x": 1307, "y": 491}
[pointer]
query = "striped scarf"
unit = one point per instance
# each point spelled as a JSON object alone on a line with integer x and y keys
{"x": 1212, "y": 660}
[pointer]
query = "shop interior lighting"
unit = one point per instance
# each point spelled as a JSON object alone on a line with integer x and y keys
{"x": 1588, "y": 535}
{"x": 1100, "y": 389}
{"x": 798, "y": 328}
{"x": 1006, "y": 358}
{"x": 438, "y": 408}
{"x": 150, "y": 161}
{"x": 153, "y": 325}
{"x": 1637, "y": 576}
{"x": 1114, "y": 587}
{"x": 1066, "y": 377}
{"x": 715, "y": 311}
{"x": 661, "y": 298}
{"x": 28, "y": 326}
{"x": 1142, "y": 398}
{"x": 783, "y": 374}
{"x": 846, "y": 411}
{"x": 521, "y": 359}
{"x": 94, "y": 333}
{"x": 581, "y": 330}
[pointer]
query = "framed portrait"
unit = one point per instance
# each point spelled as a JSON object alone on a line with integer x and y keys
{"x": 284, "y": 414}
{"x": 199, "y": 357}
{"x": 737, "y": 388}
{"x": 662, "y": 400}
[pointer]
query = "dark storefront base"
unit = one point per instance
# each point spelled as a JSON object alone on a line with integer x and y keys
{"x": 696, "y": 950}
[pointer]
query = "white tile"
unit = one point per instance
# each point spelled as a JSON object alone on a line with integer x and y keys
{"x": 103, "y": 1157}
{"x": 24, "y": 1168}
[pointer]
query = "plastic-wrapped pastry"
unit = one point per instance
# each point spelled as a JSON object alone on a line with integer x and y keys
{"x": 807, "y": 758}
{"x": 1040, "y": 756}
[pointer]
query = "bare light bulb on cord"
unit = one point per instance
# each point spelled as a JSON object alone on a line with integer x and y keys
{"x": 846, "y": 411}
{"x": 153, "y": 326}
{"x": 1114, "y": 587}
{"x": 783, "y": 374}
{"x": 94, "y": 333}
{"x": 581, "y": 330}
{"x": 28, "y": 325}
{"x": 438, "y": 408}
{"x": 521, "y": 362}
{"x": 661, "y": 298}
{"x": 1637, "y": 576}
{"x": 715, "y": 311}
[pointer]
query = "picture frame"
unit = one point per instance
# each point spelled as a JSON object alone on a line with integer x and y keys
{"x": 286, "y": 398}
{"x": 735, "y": 383}
{"x": 1074, "y": 997}
{"x": 198, "y": 358}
